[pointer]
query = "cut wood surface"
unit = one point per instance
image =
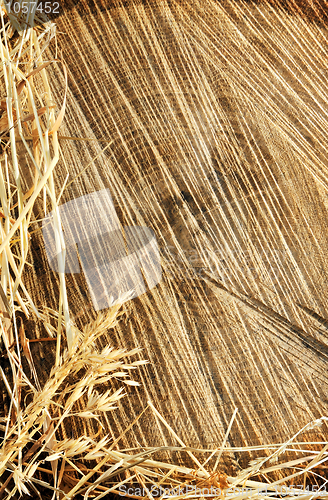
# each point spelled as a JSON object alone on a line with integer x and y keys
{"x": 218, "y": 117}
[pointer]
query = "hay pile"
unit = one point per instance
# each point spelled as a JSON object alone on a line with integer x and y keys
{"x": 207, "y": 121}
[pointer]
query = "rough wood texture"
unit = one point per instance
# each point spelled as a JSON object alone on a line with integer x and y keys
{"x": 218, "y": 116}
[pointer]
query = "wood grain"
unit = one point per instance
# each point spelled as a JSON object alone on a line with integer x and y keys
{"x": 218, "y": 116}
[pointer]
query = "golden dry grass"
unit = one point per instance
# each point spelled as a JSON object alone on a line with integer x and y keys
{"x": 36, "y": 413}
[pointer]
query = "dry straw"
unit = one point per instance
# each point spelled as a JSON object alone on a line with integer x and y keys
{"x": 29, "y": 128}
{"x": 34, "y": 458}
